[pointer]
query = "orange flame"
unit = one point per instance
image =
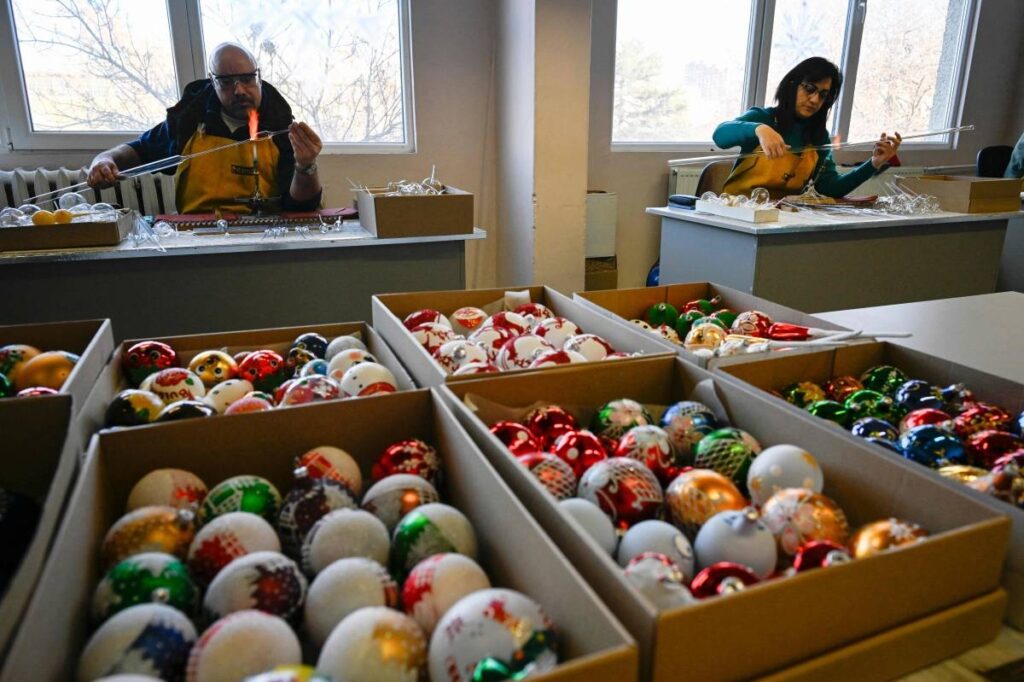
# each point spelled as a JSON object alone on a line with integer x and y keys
{"x": 254, "y": 124}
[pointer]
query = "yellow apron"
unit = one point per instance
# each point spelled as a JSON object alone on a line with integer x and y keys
{"x": 781, "y": 177}
{"x": 224, "y": 180}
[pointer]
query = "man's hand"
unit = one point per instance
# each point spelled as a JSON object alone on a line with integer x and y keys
{"x": 103, "y": 172}
{"x": 305, "y": 143}
{"x": 771, "y": 142}
{"x": 885, "y": 149}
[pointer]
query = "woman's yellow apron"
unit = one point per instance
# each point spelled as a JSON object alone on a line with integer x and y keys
{"x": 224, "y": 181}
{"x": 781, "y": 177}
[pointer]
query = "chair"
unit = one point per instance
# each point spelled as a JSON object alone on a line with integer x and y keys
{"x": 992, "y": 161}
{"x": 714, "y": 175}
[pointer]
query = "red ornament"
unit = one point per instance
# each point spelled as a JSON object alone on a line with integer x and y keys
{"x": 35, "y": 392}
{"x": 553, "y": 473}
{"x": 282, "y": 389}
{"x": 819, "y": 554}
{"x": 981, "y": 417}
{"x": 535, "y": 312}
{"x": 408, "y": 457}
{"x": 986, "y": 447}
{"x": 579, "y": 449}
{"x": 516, "y": 437}
{"x": 425, "y": 316}
{"x": 839, "y": 388}
{"x": 624, "y": 489}
{"x": 547, "y": 423}
{"x": 783, "y": 331}
{"x": 721, "y": 578}
{"x": 513, "y": 322}
{"x": 752, "y": 323}
{"x": 145, "y": 358}
{"x": 651, "y": 445}
{"x": 926, "y": 415}
{"x": 432, "y": 336}
{"x": 264, "y": 369}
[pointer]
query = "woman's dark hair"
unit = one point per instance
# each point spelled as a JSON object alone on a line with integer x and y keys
{"x": 810, "y": 70}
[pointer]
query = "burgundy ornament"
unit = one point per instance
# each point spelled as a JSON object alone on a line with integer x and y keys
{"x": 981, "y": 417}
{"x": 721, "y": 578}
{"x": 838, "y": 388}
{"x": 547, "y": 423}
{"x": 820, "y": 554}
{"x": 408, "y": 457}
{"x": 986, "y": 447}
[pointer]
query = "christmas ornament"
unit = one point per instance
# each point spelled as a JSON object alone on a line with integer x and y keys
{"x": 872, "y": 427}
{"x": 803, "y": 393}
{"x": 226, "y": 538}
{"x": 288, "y": 673}
{"x": 594, "y": 522}
{"x": 148, "y": 639}
{"x": 697, "y": 495}
{"x": 617, "y": 417}
{"x": 668, "y": 333}
{"x": 556, "y": 331}
{"x": 738, "y": 537}
{"x": 796, "y": 516}
{"x": 660, "y": 537}
{"x": 981, "y": 417}
{"x": 831, "y": 411}
{"x": 430, "y": 529}
{"x": 729, "y": 451}
{"x": 783, "y": 466}
{"x": 819, "y": 554}
{"x": 705, "y": 306}
{"x": 590, "y": 346}
{"x": 686, "y": 422}
{"x": 425, "y": 316}
{"x": 343, "y": 360}
{"x": 13, "y": 357}
{"x": 721, "y": 579}
{"x": 132, "y": 407}
{"x": 725, "y": 316}
{"x": 534, "y": 312}
{"x": 264, "y": 369}
{"x": 624, "y": 489}
{"x": 651, "y": 445}
{"x": 241, "y": 493}
{"x": 686, "y": 321}
{"x": 657, "y": 577}
{"x": 169, "y": 487}
{"x": 342, "y": 588}
{"x": 267, "y": 581}
{"x": 175, "y": 384}
{"x": 341, "y": 534}
{"x": 456, "y": 354}
{"x": 226, "y": 393}
{"x": 394, "y": 496}
{"x": 340, "y": 344}
{"x": 519, "y": 352}
{"x": 752, "y": 323}
{"x": 279, "y": 392}
{"x": 145, "y": 358}
{"x": 48, "y": 370}
{"x": 552, "y": 473}
{"x": 408, "y": 457}
{"x": 869, "y": 403}
{"x": 213, "y": 367}
{"x": 662, "y": 313}
{"x": 185, "y": 409}
{"x": 1004, "y": 483}
{"x": 553, "y": 358}
{"x": 491, "y": 339}
{"x": 490, "y": 635}
{"x": 149, "y": 529}
{"x": 885, "y": 443}
{"x": 249, "y": 403}
{"x": 985, "y": 447}
{"x": 366, "y": 379}
{"x": 298, "y": 358}
{"x": 921, "y": 417}
{"x": 467, "y": 320}
{"x": 36, "y": 392}
{"x": 579, "y": 449}
{"x": 375, "y": 643}
{"x": 308, "y": 501}
{"x": 840, "y": 388}
{"x": 144, "y": 578}
{"x": 310, "y": 389}
{"x": 476, "y": 368}
{"x": 880, "y": 536}
{"x": 916, "y": 394}
{"x": 435, "y": 584}
{"x": 931, "y": 446}
{"x": 961, "y": 473}
{"x": 704, "y": 335}
{"x": 510, "y": 321}
{"x": 516, "y": 437}
{"x": 241, "y": 644}
{"x": 6, "y": 387}
{"x": 885, "y": 379}
{"x": 327, "y": 461}
{"x": 547, "y": 423}
{"x": 313, "y": 342}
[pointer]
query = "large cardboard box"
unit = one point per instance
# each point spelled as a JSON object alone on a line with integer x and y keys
{"x": 967, "y": 193}
{"x": 415, "y": 215}
{"x": 781, "y": 622}
{"x": 623, "y": 305}
{"x": 68, "y": 236}
{"x": 390, "y": 309}
{"x": 112, "y": 380}
{"x": 779, "y": 371}
{"x": 512, "y": 548}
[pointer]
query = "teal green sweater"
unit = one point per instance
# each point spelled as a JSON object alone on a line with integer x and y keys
{"x": 829, "y": 182}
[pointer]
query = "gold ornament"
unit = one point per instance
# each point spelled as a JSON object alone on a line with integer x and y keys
{"x": 962, "y": 473}
{"x": 697, "y": 495}
{"x": 48, "y": 369}
{"x": 213, "y": 367}
{"x": 705, "y": 335}
{"x": 149, "y": 529}
{"x": 796, "y": 516}
{"x": 879, "y": 536}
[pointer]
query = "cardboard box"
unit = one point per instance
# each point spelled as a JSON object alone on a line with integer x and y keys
{"x": 111, "y": 381}
{"x": 415, "y": 215}
{"x": 68, "y": 236}
{"x": 966, "y": 193}
{"x": 623, "y": 305}
{"x": 779, "y": 371}
{"x": 601, "y": 273}
{"x": 602, "y": 211}
{"x": 594, "y": 645}
{"x": 390, "y": 309}
{"x": 750, "y": 633}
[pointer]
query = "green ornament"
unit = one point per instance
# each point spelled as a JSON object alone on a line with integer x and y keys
{"x": 869, "y": 403}
{"x": 6, "y": 387}
{"x": 416, "y": 537}
{"x": 662, "y": 313}
{"x": 619, "y": 416}
{"x": 729, "y": 451}
{"x": 150, "y": 577}
{"x": 687, "y": 320}
{"x": 522, "y": 662}
{"x": 715, "y": 321}
{"x": 241, "y": 493}
{"x": 884, "y": 379}
{"x": 832, "y": 411}
{"x": 726, "y": 316}
{"x": 803, "y": 393}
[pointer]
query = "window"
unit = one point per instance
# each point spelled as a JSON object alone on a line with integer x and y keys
{"x": 903, "y": 63}
{"x": 88, "y": 74}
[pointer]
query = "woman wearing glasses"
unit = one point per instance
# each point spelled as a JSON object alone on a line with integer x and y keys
{"x": 784, "y": 132}
{"x": 216, "y": 112}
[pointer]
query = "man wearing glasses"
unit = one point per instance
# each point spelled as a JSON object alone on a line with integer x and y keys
{"x": 217, "y": 112}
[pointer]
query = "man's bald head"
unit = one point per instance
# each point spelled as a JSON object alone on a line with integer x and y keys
{"x": 244, "y": 92}
{"x": 228, "y": 55}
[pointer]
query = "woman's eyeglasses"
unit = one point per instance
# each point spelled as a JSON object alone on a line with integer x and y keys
{"x": 235, "y": 79}
{"x": 811, "y": 89}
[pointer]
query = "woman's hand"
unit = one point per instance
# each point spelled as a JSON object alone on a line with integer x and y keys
{"x": 885, "y": 149}
{"x": 771, "y": 142}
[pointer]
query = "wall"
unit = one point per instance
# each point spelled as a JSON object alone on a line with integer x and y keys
{"x": 992, "y": 104}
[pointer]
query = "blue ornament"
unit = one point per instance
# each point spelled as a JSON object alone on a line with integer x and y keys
{"x": 1017, "y": 425}
{"x": 916, "y": 394}
{"x": 873, "y": 427}
{"x": 955, "y": 395}
{"x": 318, "y": 366}
{"x": 686, "y": 423}
{"x": 313, "y": 342}
{"x": 933, "y": 447}
{"x": 885, "y": 443}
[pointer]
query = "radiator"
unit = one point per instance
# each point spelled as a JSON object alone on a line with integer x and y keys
{"x": 150, "y": 194}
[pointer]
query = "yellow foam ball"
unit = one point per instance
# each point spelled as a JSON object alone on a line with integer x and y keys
{"x": 43, "y": 218}
{"x": 62, "y": 216}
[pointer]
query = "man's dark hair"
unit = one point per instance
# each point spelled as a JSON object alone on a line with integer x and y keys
{"x": 810, "y": 70}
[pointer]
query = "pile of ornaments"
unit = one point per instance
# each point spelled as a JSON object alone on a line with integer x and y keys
{"x": 252, "y": 571}
{"x": 19, "y": 515}
{"x": 690, "y": 507}
{"x": 944, "y": 428}
{"x": 531, "y": 336}
{"x": 26, "y": 371}
{"x": 215, "y": 382}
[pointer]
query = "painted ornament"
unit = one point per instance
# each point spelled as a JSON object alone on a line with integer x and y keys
{"x": 366, "y": 379}
{"x": 149, "y": 529}
{"x": 551, "y": 472}
{"x": 213, "y": 367}
{"x": 241, "y": 644}
{"x": 342, "y": 588}
{"x": 147, "y": 639}
{"x": 150, "y": 577}
{"x": 738, "y": 537}
{"x": 133, "y": 407}
{"x": 590, "y": 346}
{"x": 175, "y": 384}
{"x": 579, "y": 449}
{"x": 328, "y": 461}
{"x": 241, "y": 493}
{"x": 168, "y": 487}
{"x": 783, "y": 466}
{"x": 556, "y": 330}
{"x": 796, "y": 516}
{"x": 624, "y": 489}
{"x": 226, "y": 393}
{"x": 264, "y": 369}
{"x": 467, "y": 320}
{"x": 266, "y": 581}
{"x": 661, "y": 537}
{"x": 375, "y": 643}
{"x": 435, "y": 584}
{"x": 697, "y": 495}
{"x": 880, "y": 536}
{"x": 341, "y": 343}
{"x": 342, "y": 534}
{"x": 617, "y": 417}
{"x": 145, "y": 358}
{"x": 226, "y": 538}
{"x": 661, "y": 580}
{"x": 651, "y": 445}
{"x": 394, "y": 496}
{"x": 455, "y": 355}
{"x": 430, "y": 529}
{"x": 309, "y": 500}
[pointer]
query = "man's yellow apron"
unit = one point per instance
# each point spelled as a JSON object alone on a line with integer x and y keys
{"x": 781, "y": 177}
{"x": 223, "y": 181}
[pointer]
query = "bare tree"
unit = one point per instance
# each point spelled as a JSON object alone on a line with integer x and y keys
{"x": 643, "y": 110}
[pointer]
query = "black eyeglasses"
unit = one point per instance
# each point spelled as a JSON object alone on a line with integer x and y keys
{"x": 811, "y": 89}
{"x": 235, "y": 79}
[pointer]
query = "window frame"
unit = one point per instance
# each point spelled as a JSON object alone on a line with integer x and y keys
{"x": 758, "y": 53}
{"x": 189, "y": 59}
